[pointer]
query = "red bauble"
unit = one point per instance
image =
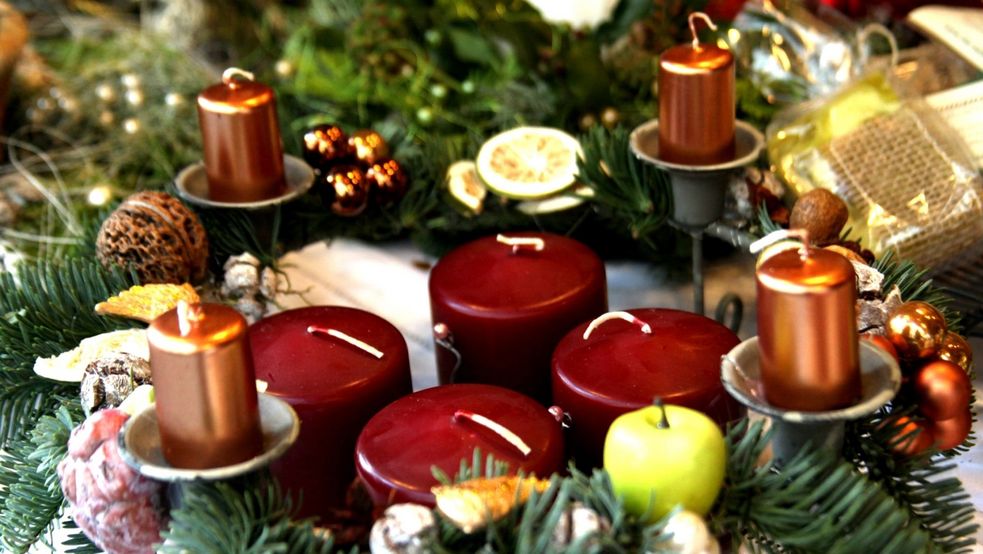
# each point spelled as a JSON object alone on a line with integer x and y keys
{"x": 388, "y": 181}
{"x": 325, "y": 145}
{"x": 345, "y": 190}
{"x": 881, "y": 342}
{"x": 950, "y": 433}
{"x": 913, "y": 437}
{"x": 943, "y": 390}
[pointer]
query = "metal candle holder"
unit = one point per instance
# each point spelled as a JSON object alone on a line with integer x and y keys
{"x": 192, "y": 185}
{"x": 698, "y": 190}
{"x": 880, "y": 379}
{"x": 140, "y": 445}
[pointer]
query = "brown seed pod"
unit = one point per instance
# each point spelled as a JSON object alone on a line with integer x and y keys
{"x": 156, "y": 235}
{"x": 821, "y": 213}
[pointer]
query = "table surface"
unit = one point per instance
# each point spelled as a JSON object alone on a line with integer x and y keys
{"x": 391, "y": 281}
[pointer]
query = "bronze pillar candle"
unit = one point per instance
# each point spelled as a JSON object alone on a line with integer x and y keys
{"x": 696, "y": 102}
{"x": 807, "y": 330}
{"x": 205, "y": 386}
{"x": 241, "y": 139}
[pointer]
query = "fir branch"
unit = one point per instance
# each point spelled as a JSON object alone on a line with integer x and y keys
{"x": 626, "y": 190}
{"x": 914, "y": 284}
{"x": 23, "y": 399}
{"x": 47, "y": 308}
{"x": 936, "y": 501}
{"x": 30, "y": 492}
{"x": 815, "y": 503}
{"x": 251, "y": 518}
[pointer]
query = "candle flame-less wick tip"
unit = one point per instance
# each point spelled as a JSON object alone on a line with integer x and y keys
{"x": 229, "y": 76}
{"x": 692, "y": 25}
{"x": 344, "y": 337}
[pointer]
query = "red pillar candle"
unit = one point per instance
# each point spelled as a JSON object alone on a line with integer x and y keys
{"x": 807, "y": 330}
{"x": 207, "y": 407}
{"x": 241, "y": 139}
{"x": 311, "y": 358}
{"x": 506, "y": 304}
{"x": 440, "y": 426}
{"x": 696, "y": 102}
{"x": 621, "y": 366}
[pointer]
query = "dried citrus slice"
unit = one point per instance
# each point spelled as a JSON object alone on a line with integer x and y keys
{"x": 146, "y": 302}
{"x": 464, "y": 185}
{"x": 528, "y": 162}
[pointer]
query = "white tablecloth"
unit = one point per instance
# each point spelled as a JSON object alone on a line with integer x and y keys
{"x": 391, "y": 281}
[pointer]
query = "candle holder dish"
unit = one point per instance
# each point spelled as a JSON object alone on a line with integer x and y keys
{"x": 140, "y": 446}
{"x": 192, "y": 185}
{"x": 698, "y": 194}
{"x": 880, "y": 379}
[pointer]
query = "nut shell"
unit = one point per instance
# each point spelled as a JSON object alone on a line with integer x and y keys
{"x": 821, "y": 213}
{"x": 156, "y": 235}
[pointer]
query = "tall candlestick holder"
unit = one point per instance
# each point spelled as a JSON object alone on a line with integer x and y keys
{"x": 794, "y": 430}
{"x": 698, "y": 194}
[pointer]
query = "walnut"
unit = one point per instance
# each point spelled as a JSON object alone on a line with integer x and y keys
{"x": 156, "y": 235}
{"x": 821, "y": 213}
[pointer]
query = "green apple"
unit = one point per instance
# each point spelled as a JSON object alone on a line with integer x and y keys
{"x": 663, "y": 456}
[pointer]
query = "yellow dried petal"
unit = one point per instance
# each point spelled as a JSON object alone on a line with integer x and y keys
{"x": 473, "y": 504}
{"x": 146, "y": 302}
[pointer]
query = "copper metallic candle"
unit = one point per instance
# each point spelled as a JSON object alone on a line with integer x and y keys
{"x": 696, "y": 102}
{"x": 807, "y": 330}
{"x": 205, "y": 386}
{"x": 241, "y": 139}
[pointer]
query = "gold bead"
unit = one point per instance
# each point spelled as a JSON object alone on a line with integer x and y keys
{"x": 955, "y": 349}
{"x": 105, "y": 92}
{"x": 131, "y": 125}
{"x": 134, "y": 97}
{"x": 916, "y": 329}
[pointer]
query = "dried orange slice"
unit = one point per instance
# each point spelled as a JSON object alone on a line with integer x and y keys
{"x": 471, "y": 505}
{"x": 146, "y": 302}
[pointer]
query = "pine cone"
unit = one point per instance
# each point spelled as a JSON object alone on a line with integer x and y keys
{"x": 158, "y": 236}
{"x": 118, "y": 509}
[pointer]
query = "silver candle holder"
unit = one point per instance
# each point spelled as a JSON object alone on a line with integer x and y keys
{"x": 880, "y": 379}
{"x": 698, "y": 193}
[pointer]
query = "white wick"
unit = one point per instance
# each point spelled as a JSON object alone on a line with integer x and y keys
{"x": 496, "y": 428}
{"x": 644, "y": 327}
{"x": 362, "y": 345}
{"x": 782, "y": 234}
{"x": 692, "y": 25}
{"x": 229, "y": 75}
{"x": 536, "y": 243}
{"x": 188, "y": 316}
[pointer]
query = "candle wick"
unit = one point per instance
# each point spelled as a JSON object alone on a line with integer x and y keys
{"x": 663, "y": 420}
{"x": 516, "y": 243}
{"x": 229, "y": 76}
{"x": 692, "y": 25}
{"x": 361, "y": 345}
{"x": 497, "y": 428}
{"x": 188, "y": 316}
{"x": 630, "y": 318}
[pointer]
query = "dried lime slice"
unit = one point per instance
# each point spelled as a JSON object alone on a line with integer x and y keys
{"x": 464, "y": 185}
{"x": 529, "y": 162}
{"x": 570, "y": 198}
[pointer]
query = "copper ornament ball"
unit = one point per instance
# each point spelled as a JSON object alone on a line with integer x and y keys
{"x": 157, "y": 236}
{"x": 388, "y": 181}
{"x": 943, "y": 389}
{"x": 916, "y": 329}
{"x": 912, "y": 437}
{"x": 955, "y": 349}
{"x": 368, "y": 146}
{"x": 950, "y": 433}
{"x": 325, "y": 145}
{"x": 345, "y": 190}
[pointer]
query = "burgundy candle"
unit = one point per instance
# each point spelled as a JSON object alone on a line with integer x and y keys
{"x": 325, "y": 361}
{"x": 620, "y": 368}
{"x": 441, "y": 426}
{"x": 507, "y": 301}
